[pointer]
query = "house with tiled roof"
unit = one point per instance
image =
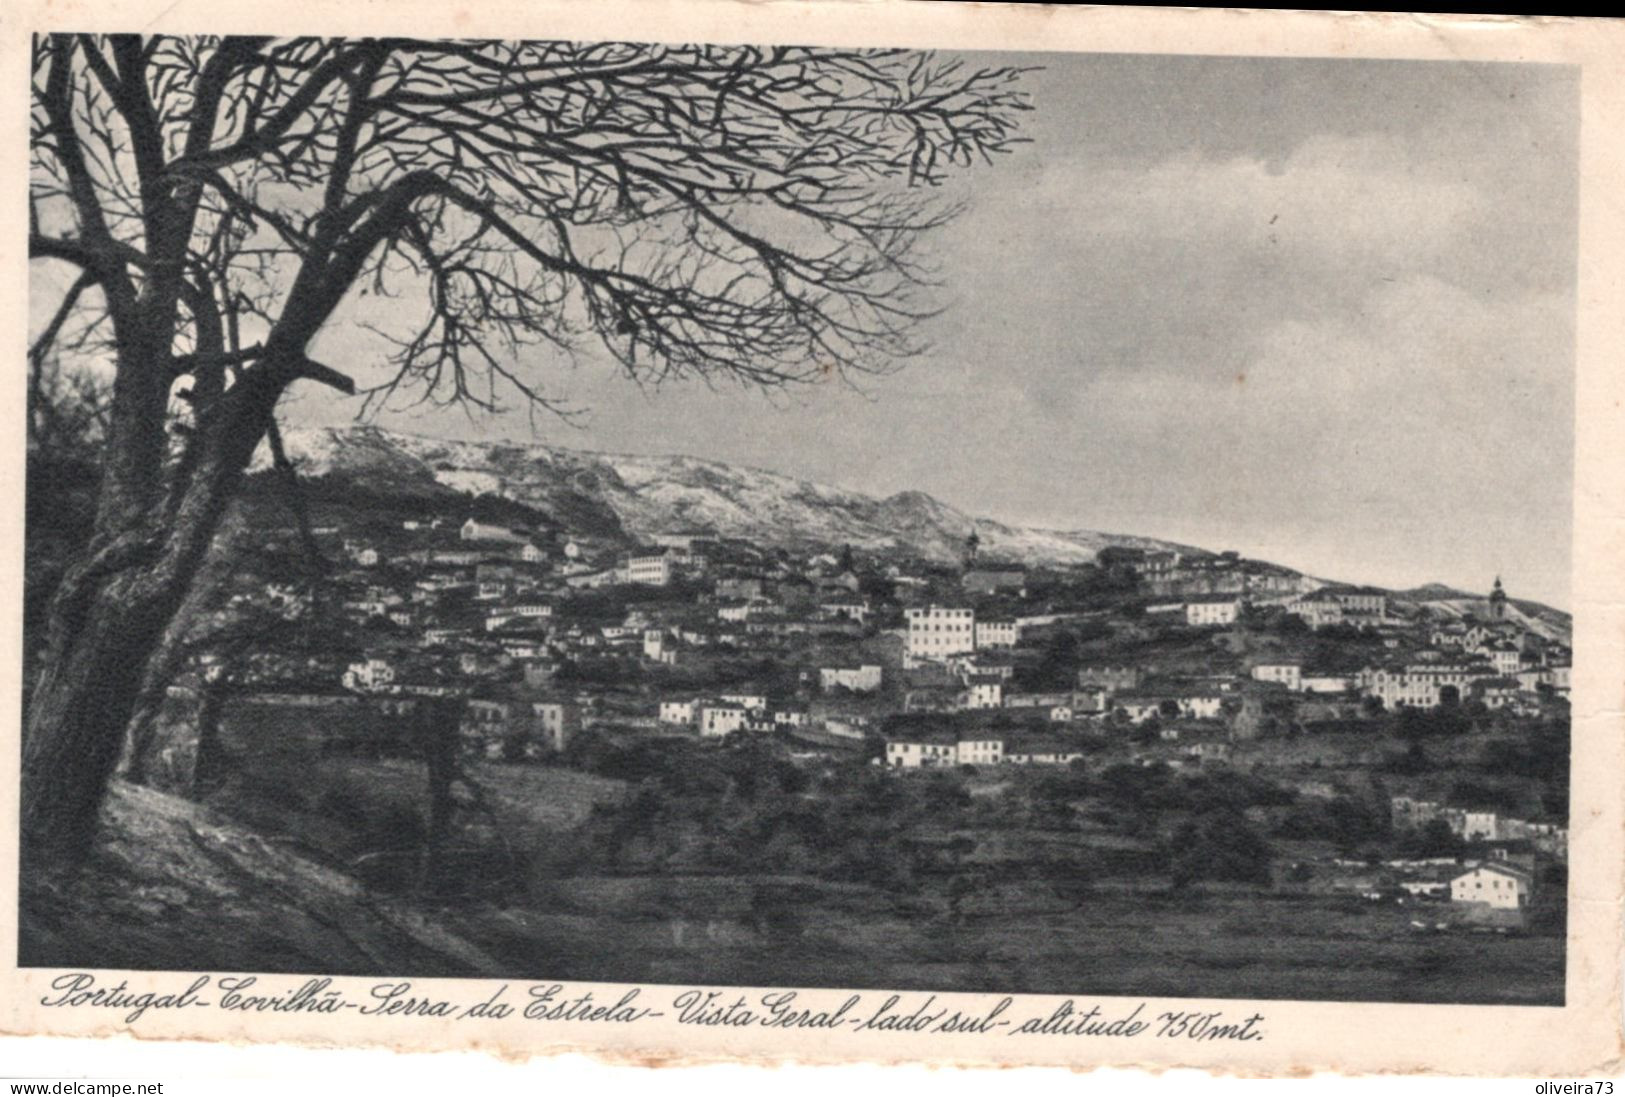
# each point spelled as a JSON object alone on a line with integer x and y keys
{"x": 1497, "y": 885}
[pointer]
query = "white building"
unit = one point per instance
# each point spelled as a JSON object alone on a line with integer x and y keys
{"x": 902, "y": 754}
{"x": 979, "y": 752}
{"x": 996, "y": 634}
{"x": 1289, "y": 675}
{"x": 1211, "y": 613}
{"x": 1496, "y": 885}
{"x": 1327, "y": 683}
{"x": 1357, "y": 601}
{"x": 554, "y": 721}
{"x": 653, "y": 570}
{"x": 719, "y": 720}
{"x": 1317, "y": 612}
{"x": 1423, "y": 685}
{"x": 1478, "y": 825}
{"x": 1505, "y": 658}
{"x": 938, "y": 632}
{"x": 862, "y": 679}
{"x": 677, "y": 712}
{"x": 1200, "y": 706}
{"x": 750, "y": 702}
{"x": 479, "y": 531}
{"x": 923, "y": 753}
{"x": 657, "y": 646}
{"x": 983, "y": 691}
{"x": 370, "y": 674}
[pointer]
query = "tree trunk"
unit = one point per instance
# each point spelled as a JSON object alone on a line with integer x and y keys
{"x": 173, "y": 648}
{"x": 105, "y": 622}
{"x": 80, "y": 707}
{"x": 437, "y": 719}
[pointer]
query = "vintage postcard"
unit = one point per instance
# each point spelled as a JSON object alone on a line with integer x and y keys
{"x": 962, "y": 533}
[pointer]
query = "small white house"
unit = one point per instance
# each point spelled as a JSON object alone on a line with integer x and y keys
{"x": 1289, "y": 675}
{"x": 1499, "y": 886}
{"x": 907, "y": 754}
{"x": 1212, "y": 612}
{"x": 980, "y": 752}
{"x": 1201, "y": 706}
{"x": 369, "y": 674}
{"x": 861, "y": 679}
{"x": 719, "y": 720}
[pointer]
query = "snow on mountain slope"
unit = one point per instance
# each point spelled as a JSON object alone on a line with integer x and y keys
{"x": 470, "y": 481}
{"x": 1542, "y": 620}
{"x": 647, "y": 495}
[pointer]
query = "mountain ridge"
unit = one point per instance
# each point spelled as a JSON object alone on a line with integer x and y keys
{"x": 649, "y": 494}
{"x": 635, "y": 496}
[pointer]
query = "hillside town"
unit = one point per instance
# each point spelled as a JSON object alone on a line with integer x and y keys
{"x": 541, "y": 641}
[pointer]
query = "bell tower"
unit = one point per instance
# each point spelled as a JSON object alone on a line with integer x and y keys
{"x": 1498, "y": 601}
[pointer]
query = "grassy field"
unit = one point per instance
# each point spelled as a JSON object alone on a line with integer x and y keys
{"x": 1117, "y": 942}
{"x": 1117, "y": 938}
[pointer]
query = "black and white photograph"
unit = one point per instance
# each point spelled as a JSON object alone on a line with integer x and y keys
{"x": 717, "y": 515}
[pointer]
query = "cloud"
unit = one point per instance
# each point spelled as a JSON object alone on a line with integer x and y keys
{"x": 1333, "y": 200}
{"x": 1426, "y": 433}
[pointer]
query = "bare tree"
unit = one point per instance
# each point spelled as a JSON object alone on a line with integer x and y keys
{"x": 721, "y": 212}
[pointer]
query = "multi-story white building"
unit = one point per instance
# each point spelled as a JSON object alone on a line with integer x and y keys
{"x": 1360, "y": 602}
{"x": 937, "y": 632}
{"x": 719, "y": 720}
{"x": 979, "y": 752}
{"x": 1494, "y": 884}
{"x": 1505, "y": 658}
{"x": 677, "y": 712}
{"x": 657, "y": 646}
{"x": 1317, "y": 612}
{"x": 554, "y": 721}
{"x": 1478, "y": 825}
{"x": 653, "y": 570}
{"x": 1423, "y": 685}
{"x": 982, "y": 691}
{"x": 996, "y": 634}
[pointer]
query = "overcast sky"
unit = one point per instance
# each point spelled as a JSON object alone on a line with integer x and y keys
{"x": 1319, "y": 311}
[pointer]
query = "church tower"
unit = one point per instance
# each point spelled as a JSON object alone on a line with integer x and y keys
{"x": 1498, "y": 601}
